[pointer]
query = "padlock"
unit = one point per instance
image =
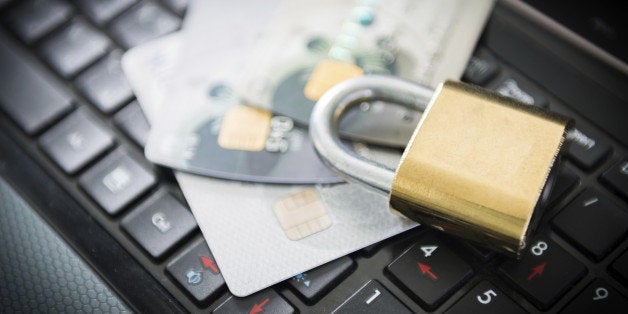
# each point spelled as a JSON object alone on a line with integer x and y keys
{"x": 479, "y": 165}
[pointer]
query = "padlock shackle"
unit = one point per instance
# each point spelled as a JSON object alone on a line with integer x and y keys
{"x": 334, "y": 103}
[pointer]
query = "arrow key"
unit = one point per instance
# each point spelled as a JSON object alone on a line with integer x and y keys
{"x": 544, "y": 273}
{"x": 265, "y": 301}
{"x": 429, "y": 271}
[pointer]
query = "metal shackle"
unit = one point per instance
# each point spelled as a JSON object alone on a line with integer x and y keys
{"x": 339, "y": 99}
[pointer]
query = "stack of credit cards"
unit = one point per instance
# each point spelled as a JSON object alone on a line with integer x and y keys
{"x": 229, "y": 99}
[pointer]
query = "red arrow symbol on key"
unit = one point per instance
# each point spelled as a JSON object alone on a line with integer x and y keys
{"x": 257, "y": 308}
{"x": 537, "y": 270}
{"x": 427, "y": 269}
{"x": 209, "y": 263}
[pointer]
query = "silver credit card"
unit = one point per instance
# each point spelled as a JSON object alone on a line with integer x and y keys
{"x": 420, "y": 40}
{"x": 253, "y": 243}
{"x": 201, "y": 131}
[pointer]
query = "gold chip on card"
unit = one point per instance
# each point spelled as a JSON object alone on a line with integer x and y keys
{"x": 327, "y": 74}
{"x": 302, "y": 214}
{"x": 244, "y": 128}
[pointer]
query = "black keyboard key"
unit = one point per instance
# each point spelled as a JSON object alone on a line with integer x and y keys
{"x": 133, "y": 122}
{"x": 142, "y": 23}
{"x": 116, "y": 181}
{"x": 587, "y": 151}
{"x": 75, "y": 141}
{"x": 314, "y": 284}
{"x": 429, "y": 271}
{"x": 566, "y": 180}
{"x": 593, "y": 222}
{"x": 616, "y": 177}
{"x": 481, "y": 69}
{"x": 620, "y": 266}
{"x": 485, "y": 298}
{"x": 372, "y": 298}
{"x": 102, "y": 11}
{"x": 597, "y": 297}
{"x": 178, "y": 6}
{"x": 159, "y": 223}
{"x": 196, "y": 271}
{"x": 265, "y": 301}
{"x": 483, "y": 253}
{"x": 514, "y": 87}
{"x": 544, "y": 273}
{"x": 28, "y": 93}
{"x": 105, "y": 84}
{"x": 74, "y": 47}
{"x": 32, "y": 19}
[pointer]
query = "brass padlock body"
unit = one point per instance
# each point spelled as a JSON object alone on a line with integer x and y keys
{"x": 477, "y": 165}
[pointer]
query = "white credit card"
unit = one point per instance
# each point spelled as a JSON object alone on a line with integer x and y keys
{"x": 194, "y": 133}
{"x": 420, "y": 40}
{"x": 251, "y": 228}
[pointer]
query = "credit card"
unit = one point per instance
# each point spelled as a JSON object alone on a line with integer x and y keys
{"x": 250, "y": 227}
{"x": 252, "y": 245}
{"x": 421, "y": 40}
{"x": 205, "y": 129}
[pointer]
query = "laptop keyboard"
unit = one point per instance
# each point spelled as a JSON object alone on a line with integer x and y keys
{"x": 64, "y": 94}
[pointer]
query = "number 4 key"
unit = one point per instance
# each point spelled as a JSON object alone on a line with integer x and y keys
{"x": 430, "y": 271}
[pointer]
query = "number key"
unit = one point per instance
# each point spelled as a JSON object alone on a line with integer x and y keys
{"x": 430, "y": 271}
{"x": 485, "y": 298}
{"x": 544, "y": 273}
{"x": 597, "y": 297}
{"x": 372, "y": 298}
{"x": 593, "y": 222}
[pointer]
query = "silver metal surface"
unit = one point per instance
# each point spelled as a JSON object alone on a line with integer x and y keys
{"x": 328, "y": 110}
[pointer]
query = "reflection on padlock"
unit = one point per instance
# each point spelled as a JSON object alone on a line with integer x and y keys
{"x": 478, "y": 164}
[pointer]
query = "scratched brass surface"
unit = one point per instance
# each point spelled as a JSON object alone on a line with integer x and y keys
{"x": 476, "y": 165}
